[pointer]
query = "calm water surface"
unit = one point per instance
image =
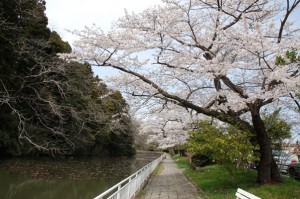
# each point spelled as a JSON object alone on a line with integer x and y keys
{"x": 82, "y": 178}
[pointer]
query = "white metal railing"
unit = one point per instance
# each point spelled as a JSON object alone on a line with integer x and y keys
{"x": 128, "y": 187}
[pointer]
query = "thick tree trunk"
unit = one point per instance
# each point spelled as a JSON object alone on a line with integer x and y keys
{"x": 267, "y": 168}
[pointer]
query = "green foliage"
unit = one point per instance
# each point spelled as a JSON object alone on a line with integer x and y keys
{"x": 4, "y": 139}
{"x": 280, "y": 60}
{"x": 228, "y": 146}
{"x": 53, "y": 105}
{"x": 277, "y": 129}
{"x": 200, "y": 160}
{"x": 106, "y": 130}
{"x": 289, "y": 57}
{"x": 292, "y": 56}
{"x": 58, "y": 45}
{"x": 25, "y": 72}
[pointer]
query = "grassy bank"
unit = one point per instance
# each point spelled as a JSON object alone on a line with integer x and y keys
{"x": 217, "y": 183}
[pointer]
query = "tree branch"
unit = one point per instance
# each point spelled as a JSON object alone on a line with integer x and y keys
{"x": 289, "y": 10}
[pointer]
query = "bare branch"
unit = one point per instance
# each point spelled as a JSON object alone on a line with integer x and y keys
{"x": 289, "y": 10}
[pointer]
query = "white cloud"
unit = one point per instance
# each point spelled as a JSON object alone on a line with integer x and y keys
{"x": 75, "y": 14}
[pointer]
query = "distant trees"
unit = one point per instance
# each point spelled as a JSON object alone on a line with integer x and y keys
{"x": 48, "y": 105}
{"x": 211, "y": 57}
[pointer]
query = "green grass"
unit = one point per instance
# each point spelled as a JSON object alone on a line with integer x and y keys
{"x": 158, "y": 169}
{"x": 216, "y": 182}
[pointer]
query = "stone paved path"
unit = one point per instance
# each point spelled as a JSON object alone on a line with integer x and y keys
{"x": 170, "y": 183}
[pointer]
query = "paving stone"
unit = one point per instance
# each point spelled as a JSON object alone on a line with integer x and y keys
{"x": 170, "y": 183}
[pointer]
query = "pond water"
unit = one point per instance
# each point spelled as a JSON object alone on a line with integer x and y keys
{"x": 76, "y": 178}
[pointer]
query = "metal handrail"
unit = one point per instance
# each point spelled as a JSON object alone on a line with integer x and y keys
{"x": 128, "y": 187}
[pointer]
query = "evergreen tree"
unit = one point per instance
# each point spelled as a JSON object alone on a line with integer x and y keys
{"x": 48, "y": 105}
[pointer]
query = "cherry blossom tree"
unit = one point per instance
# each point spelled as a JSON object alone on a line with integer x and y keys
{"x": 169, "y": 127}
{"x": 213, "y": 57}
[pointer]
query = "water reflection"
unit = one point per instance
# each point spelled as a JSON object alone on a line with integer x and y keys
{"x": 81, "y": 178}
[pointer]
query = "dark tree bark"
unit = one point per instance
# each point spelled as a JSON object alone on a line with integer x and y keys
{"x": 267, "y": 168}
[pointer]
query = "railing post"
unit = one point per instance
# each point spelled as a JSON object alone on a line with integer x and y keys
{"x": 118, "y": 194}
{"x": 129, "y": 185}
{"x": 135, "y": 184}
